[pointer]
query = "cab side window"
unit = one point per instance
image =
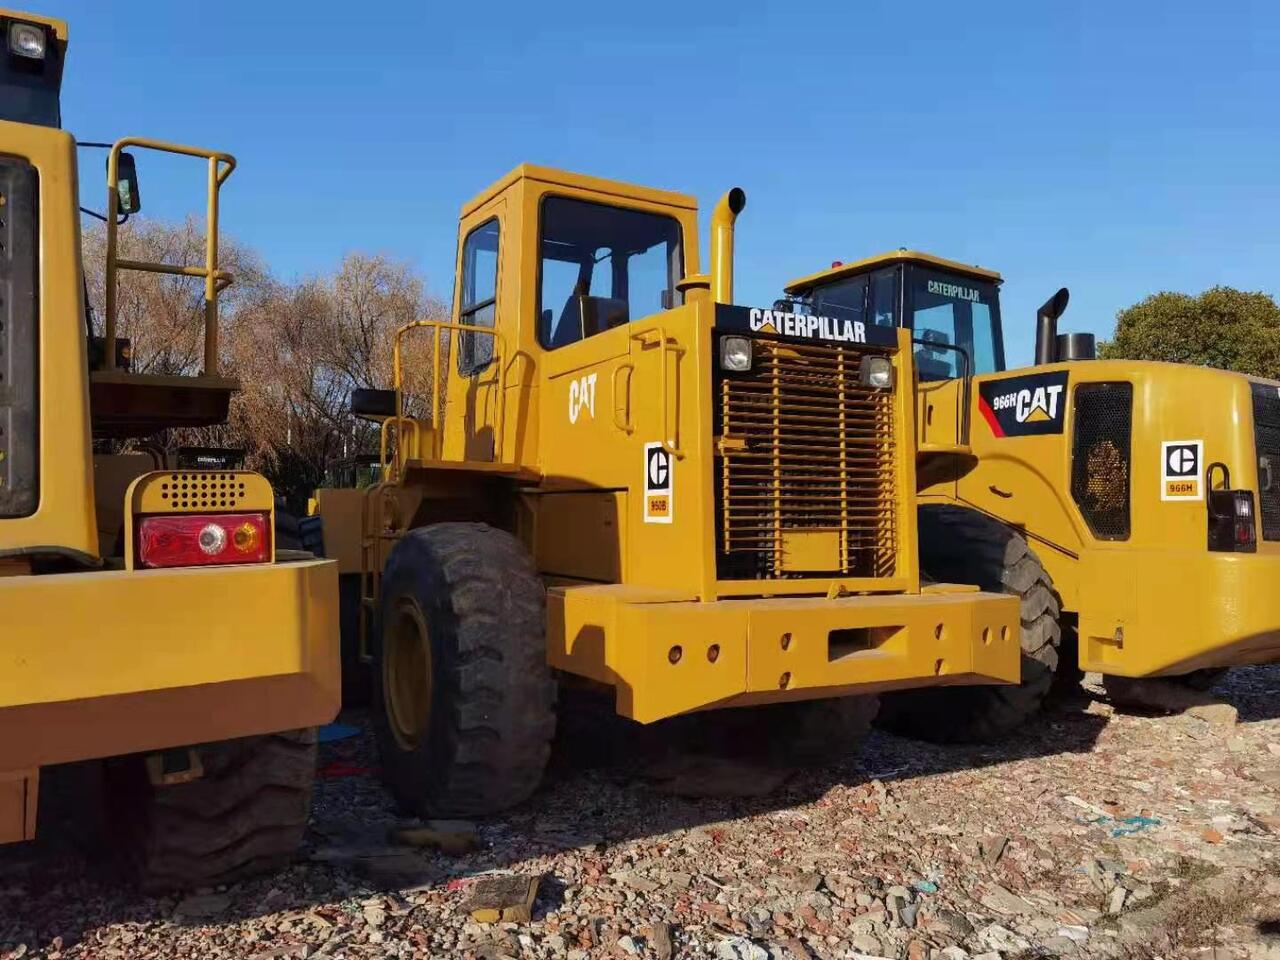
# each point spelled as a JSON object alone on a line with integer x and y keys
{"x": 478, "y": 296}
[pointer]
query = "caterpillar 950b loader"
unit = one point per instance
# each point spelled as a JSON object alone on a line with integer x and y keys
{"x": 143, "y": 607}
{"x": 1129, "y": 504}
{"x": 621, "y": 476}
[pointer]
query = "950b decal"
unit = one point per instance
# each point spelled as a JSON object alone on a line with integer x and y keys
{"x": 1025, "y": 406}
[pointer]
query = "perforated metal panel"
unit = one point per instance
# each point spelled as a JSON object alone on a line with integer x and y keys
{"x": 1266, "y": 439}
{"x": 1102, "y": 438}
{"x": 807, "y": 467}
{"x": 201, "y": 491}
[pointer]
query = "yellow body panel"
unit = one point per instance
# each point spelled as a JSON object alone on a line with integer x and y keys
{"x": 64, "y": 516}
{"x": 110, "y": 662}
{"x": 1157, "y": 602}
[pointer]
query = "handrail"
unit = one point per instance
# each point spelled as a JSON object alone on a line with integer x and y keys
{"x": 670, "y": 440}
{"x": 437, "y": 435}
{"x": 215, "y": 280}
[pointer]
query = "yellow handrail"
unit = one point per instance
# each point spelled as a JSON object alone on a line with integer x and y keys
{"x": 670, "y": 439}
{"x": 215, "y": 280}
{"x": 397, "y": 382}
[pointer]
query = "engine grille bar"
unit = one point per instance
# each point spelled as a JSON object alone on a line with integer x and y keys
{"x": 807, "y": 466}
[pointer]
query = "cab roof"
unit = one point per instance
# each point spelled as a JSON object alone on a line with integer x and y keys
{"x": 868, "y": 264}
{"x": 579, "y": 181}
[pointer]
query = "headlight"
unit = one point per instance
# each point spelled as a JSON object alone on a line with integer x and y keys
{"x": 877, "y": 372}
{"x": 27, "y": 40}
{"x": 735, "y": 354}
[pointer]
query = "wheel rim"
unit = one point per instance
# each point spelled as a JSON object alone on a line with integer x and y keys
{"x": 406, "y": 673}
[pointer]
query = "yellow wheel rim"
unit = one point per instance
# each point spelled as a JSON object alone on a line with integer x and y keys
{"x": 406, "y": 673}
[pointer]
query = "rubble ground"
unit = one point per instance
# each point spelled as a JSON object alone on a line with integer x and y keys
{"x": 1097, "y": 832}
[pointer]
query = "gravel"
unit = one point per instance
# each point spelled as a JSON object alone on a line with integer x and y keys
{"x": 1101, "y": 831}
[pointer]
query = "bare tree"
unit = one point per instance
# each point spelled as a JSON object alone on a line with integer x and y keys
{"x": 298, "y": 350}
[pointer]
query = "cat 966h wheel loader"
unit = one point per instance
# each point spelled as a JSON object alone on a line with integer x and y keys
{"x": 621, "y": 476}
{"x": 144, "y": 616}
{"x": 1134, "y": 504}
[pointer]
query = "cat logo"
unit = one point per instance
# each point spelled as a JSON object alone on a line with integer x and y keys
{"x": 1024, "y": 406}
{"x": 1180, "y": 462}
{"x": 659, "y": 473}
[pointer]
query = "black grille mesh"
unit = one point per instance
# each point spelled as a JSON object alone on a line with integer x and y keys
{"x": 1100, "y": 457}
{"x": 1266, "y": 439}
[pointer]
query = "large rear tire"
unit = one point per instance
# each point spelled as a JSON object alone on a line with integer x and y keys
{"x": 246, "y": 815}
{"x": 464, "y": 701}
{"x": 964, "y": 546}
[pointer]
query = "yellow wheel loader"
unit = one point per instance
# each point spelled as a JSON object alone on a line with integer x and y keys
{"x": 1130, "y": 505}
{"x": 618, "y": 476}
{"x": 148, "y": 618}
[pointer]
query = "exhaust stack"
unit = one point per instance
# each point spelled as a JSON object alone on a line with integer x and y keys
{"x": 722, "y": 217}
{"x": 1047, "y": 326}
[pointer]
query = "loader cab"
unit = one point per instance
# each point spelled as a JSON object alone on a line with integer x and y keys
{"x": 952, "y": 309}
{"x": 549, "y": 265}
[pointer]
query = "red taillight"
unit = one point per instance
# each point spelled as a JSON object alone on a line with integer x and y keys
{"x": 195, "y": 540}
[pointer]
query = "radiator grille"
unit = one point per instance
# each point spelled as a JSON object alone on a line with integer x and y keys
{"x": 1266, "y": 439}
{"x": 1100, "y": 457}
{"x": 806, "y": 462}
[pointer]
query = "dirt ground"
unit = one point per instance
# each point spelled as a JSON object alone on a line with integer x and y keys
{"x": 1097, "y": 832}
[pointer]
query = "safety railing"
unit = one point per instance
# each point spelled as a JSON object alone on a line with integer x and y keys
{"x": 215, "y": 280}
{"x": 437, "y": 389}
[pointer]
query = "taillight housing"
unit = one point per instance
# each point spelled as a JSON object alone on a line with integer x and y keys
{"x": 203, "y": 540}
{"x": 1233, "y": 526}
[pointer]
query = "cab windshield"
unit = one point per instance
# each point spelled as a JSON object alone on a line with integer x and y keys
{"x": 949, "y": 313}
{"x": 602, "y": 266}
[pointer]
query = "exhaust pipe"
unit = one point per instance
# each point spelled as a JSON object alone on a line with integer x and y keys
{"x": 1047, "y": 326}
{"x": 722, "y": 217}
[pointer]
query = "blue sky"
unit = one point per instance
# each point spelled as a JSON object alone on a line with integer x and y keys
{"x": 1117, "y": 148}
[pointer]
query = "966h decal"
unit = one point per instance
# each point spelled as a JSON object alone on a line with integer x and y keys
{"x": 1033, "y": 405}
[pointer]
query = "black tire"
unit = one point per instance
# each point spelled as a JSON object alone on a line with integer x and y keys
{"x": 477, "y": 742}
{"x": 246, "y": 815}
{"x": 964, "y": 546}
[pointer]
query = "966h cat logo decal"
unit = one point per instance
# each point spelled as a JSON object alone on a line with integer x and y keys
{"x": 1033, "y": 405}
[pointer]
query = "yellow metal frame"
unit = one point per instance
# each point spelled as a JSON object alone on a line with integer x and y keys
{"x": 220, "y": 166}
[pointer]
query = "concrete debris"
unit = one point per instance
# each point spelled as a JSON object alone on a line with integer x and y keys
{"x": 1091, "y": 835}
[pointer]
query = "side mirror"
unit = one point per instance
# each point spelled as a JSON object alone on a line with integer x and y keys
{"x": 130, "y": 200}
{"x": 373, "y": 404}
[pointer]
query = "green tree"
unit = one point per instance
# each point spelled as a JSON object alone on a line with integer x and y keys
{"x": 1222, "y": 327}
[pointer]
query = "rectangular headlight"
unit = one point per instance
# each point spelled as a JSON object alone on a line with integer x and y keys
{"x": 876, "y": 372}
{"x": 27, "y": 40}
{"x": 735, "y": 354}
